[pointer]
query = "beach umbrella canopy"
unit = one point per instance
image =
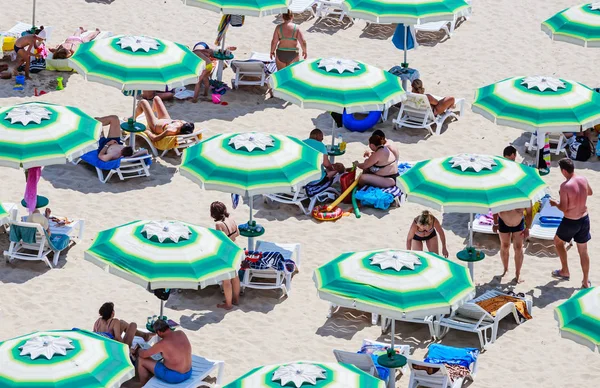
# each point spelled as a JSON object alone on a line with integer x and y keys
{"x": 242, "y": 7}
{"x": 166, "y": 254}
{"x": 579, "y": 318}
{"x": 64, "y": 359}
{"x": 307, "y": 373}
{"x": 40, "y": 134}
{"x": 251, "y": 163}
{"x": 335, "y": 84}
{"x": 4, "y": 215}
{"x": 538, "y": 103}
{"x": 394, "y": 283}
{"x": 471, "y": 183}
{"x": 578, "y": 25}
{"x": 404, "y": 11}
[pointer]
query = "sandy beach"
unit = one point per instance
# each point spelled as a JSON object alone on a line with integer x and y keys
{"x": 500, "y": 40}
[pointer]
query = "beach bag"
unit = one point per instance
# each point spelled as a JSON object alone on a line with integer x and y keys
{"x": 37, "y": 65}
{"x": 580, "y": 149}
{"x": 345, "y": 181}
{"x": 236, "y": 20}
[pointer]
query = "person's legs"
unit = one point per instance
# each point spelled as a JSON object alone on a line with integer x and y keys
{"x": 151, "y": 119}
{"x": 280, "y": 65}
{"x": 562, "y": 254}
{"x": 433, "y": 246}
{"x": 21, "y": 60}
{"x": 159, "y": 108}
{"x": 416, "y": 245}
{"x": 518, "y": 247}
{"x": 27, "y": 66}
{"x": 375, "y": 180}
{"x": 584, "y": 257}
{"x": 443, "y": 105}
{"x": 228, "y": 292}
{"x": 504, "y": 250}
{"x": 235, "y": 294}
{"x": 130, "y": 330}
{"x": 114, "y": 126}
{"x": 145, "y": 369}
{"x": 91, "y": 36}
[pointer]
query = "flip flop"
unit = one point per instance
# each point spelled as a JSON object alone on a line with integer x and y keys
{"x": 589, "y": 285}
{"x": 556, "y": 274}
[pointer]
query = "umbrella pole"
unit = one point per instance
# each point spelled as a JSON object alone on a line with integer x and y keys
{"x": 220, "y": 65}
{"x": 471, "y": 265}
{"x": 250, "y": 239}
{"x": 393, "y": 329}
{"x": 33, "y": 17}
{"x": 333, "y": 130}
{"x": 406, "y": 30}
{"x": 131, "y": 126}
{"x": 162, "y": 305}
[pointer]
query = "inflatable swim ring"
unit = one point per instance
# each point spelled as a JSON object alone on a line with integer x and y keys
{"x": 320, "y": 213}
{"x": 352, "y": 124}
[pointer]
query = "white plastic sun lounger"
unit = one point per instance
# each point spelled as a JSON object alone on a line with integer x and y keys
{"x": 480, "y": 227}
{"x": 544, "y": 232}
{"x": 183, "y": 142}
{"x": 248, "y": 73}
{"x": 558, "y": 143}
{"x": 416, "y": 112}
{"x": 446, "y": 26}
{"x": 39, "y": 250}
{"x": 201, "y": 369}
{"x": 330, "y": 9}
{"x": 438, "y": 379}
{"x": 301, "y": 6}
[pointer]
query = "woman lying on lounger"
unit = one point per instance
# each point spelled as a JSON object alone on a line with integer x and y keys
{"x": 424, "y": 231}
{"x": 438, "y": 106}
{"x": 67, "y": 48}
{"x": 109, "y": 326}
{"x": 380, "y": 169}
{"x": 159, "y": 123}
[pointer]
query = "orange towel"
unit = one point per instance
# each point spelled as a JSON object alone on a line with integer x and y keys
{"x": 492, "y": 305}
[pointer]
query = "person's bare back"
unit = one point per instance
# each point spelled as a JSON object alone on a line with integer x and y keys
{"x": 576, "y": 192}
{"x": 177, "y": 352}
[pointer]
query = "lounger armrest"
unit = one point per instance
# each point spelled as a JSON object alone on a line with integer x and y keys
{"x": 136, "y": 159}
{"x": 191, "y": 135}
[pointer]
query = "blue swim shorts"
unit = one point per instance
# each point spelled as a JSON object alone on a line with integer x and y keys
{"x": 170, "y": 376}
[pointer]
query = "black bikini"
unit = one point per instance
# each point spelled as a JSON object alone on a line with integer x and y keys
{"x": 229, "y": 233}
{"x": 376, "y": 168}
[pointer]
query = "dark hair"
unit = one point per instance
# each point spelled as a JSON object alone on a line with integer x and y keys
{"x": 377, "y": 140}
{"x": 315, "y": 132}
{"x": 508, "y": 151}
{"x": 61, "y": 53}
{"x": 287, "y": 16}
{"x": 38, "y": 30}
{"x": 567, "y": 165}
{"x": 218, "y": 211}
{"x": 187, "y": 128}
{"x": 378, "y": 132}
{"x": 160, "y": 326}
{"x": 106, "y": 310}
{"x": 126, "y": 152}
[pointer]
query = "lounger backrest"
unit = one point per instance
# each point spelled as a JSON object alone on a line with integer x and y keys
{"x": 253, "y": 66}
{"x": 416, "y": 102}
{"x": 363, "y": 361}
{"x": 439, "y": 377}
{"x": 474, "y": 311}
{"x": 39, "y": 231}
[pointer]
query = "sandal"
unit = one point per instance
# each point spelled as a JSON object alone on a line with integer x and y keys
{"x": 556, "y": 274}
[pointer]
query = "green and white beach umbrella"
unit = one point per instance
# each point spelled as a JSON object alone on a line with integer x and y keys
{"x": 166, "y": 254}
{"x": 36, "y": 134}
{"x": 538, "y": 103}
{"x": 4, "y": 215}
{"x": 579, "y": 318}
{"x": 578, "y": 25}
{"x": 409, "y": 12}
{"x": 251, "y": 163}
{"x": 335, "y": 84}
{"x": 242, "y": 7}
{"x": 307, "y": 374}
{"x": 131, "y": 62}
{"x": 64, "y": 359}
{"x": 394, "y": 283}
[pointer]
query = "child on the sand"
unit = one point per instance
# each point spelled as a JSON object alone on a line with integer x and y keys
{"x": 24, "y": 47}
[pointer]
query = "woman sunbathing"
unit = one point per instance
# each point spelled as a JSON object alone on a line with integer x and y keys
{"x": 159, "y": 123}
{"x": 67, "y": 48}
{"x": 380, "y": 169}
{"x": 425, "y": 228}
{"x": 438, "y": 106}
{"x": 108, "y": 326}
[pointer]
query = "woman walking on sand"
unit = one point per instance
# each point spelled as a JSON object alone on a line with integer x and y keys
{"x": 284, "y": 46}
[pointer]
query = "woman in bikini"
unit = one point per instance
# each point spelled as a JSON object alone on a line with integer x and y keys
{"x": 438, "y": 106}
{"x": 425, "y": 229}
{"x": 159, "y": 122}
{"x": 227, "y": 225}
{"x": 284, "y": 46}
{"x": 380, "y": 169}
{"x": 109, "y": 326}
{"x": 67, "y": 48}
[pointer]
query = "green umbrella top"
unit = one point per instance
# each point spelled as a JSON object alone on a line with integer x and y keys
{"x": 539, "y": 103}
{"x": 251, "y": 163}
{"x": 578, "y": 25}
{"x": 131, "y": 62}
{"x": 242, "y": 7}
{"x": 579, "y": 318}
{"x": 37, "y": 134}
{"x": 166, "y": 254}
{"x": 471, "y": 183}
{"x": 307, "y": 374}
{"x": 64, "y": 359}
{"x": 395, "y": 283}
{"x": 335, "y": 84}
{"x": 409, "y": 12}
{"x": 4, "y": 216}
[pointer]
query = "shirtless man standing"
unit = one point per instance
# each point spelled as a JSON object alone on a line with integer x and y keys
{"x": 512, "y": 224}
{"x": 176, "y": 351}
{"x": 111, "y": 147}
{"x": 575, "y": 224}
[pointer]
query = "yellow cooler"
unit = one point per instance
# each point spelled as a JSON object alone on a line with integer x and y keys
{"x": 9, "y": 43}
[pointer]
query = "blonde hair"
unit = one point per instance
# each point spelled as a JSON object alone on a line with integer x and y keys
{"x": 425, "y": 218}
{"x": 417, "y": 86}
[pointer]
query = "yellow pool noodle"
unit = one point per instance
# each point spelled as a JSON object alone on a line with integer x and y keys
{"x": 344, "y": 194}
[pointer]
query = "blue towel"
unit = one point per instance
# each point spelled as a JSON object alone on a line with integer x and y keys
{"x": 22, "y": 233}
{"x": 377, "y": 197}
{"x": 375, "y": 351}
{"x": 441, "y": 354}
{"x": 92, "y": 158}
{"x": 58, "y": 242}
{"x": 398, "y": 38}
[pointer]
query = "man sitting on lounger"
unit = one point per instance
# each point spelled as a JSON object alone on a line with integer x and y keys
{"x": 111, "y": 147}
{"x": 159, "y": 122}
{"x": 176, "y": 351}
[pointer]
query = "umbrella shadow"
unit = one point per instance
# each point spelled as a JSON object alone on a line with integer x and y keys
{"x": 344, "y": 324}
{"x": 83, "y": 178}
{"x": 378, "y": 31}
{"x": 40, "y": 81}
{"x": 330, "y": 26}
{"x": 417, "y": 335}
{"x": 432, "y": 39}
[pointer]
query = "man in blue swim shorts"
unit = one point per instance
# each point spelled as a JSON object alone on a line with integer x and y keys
{"x": 111, "y": 147}
{"x": 176, "y": 350}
